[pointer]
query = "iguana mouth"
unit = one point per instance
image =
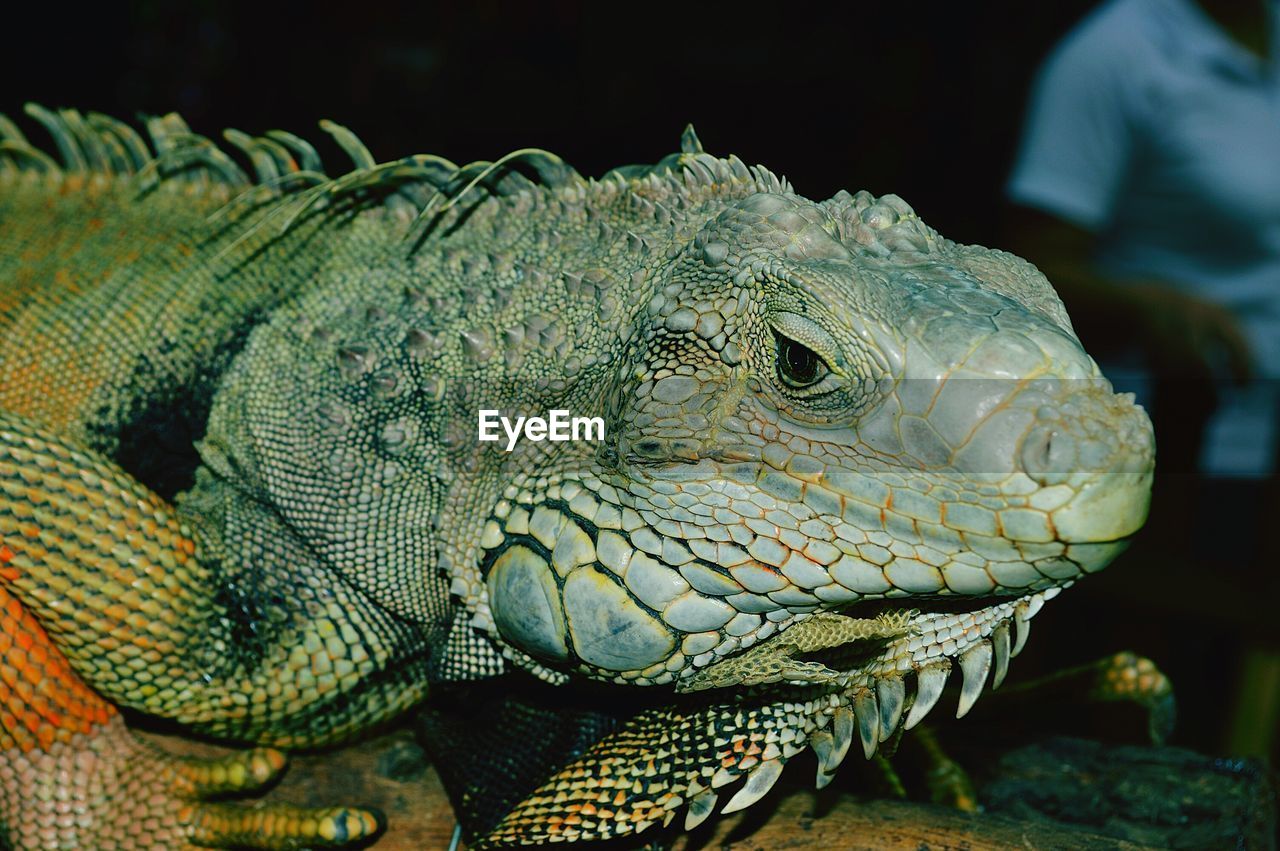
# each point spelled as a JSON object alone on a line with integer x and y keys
{"x": 889, "y": 662}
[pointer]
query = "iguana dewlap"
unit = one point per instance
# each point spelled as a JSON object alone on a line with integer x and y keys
{"x": 241, "y": 485}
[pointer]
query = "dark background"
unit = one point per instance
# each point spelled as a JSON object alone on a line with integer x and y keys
{"x": 919, "y": 99}
{"x": 924, "y": 100}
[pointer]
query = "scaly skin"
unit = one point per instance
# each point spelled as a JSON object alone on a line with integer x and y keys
{"x": 840, "y": 452}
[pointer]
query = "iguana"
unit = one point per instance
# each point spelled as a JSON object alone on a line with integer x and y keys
{"x": 241, "y": 485}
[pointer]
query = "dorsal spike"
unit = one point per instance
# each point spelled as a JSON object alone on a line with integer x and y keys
{"x": 544, "y": 163}
{"x": 187, "y": 156}
{"x": 697, "y": 171}
{"x": 293, "y": 183}
{"x": 264, "y": 164}
{"x": 138, "y": 153}
{"x": 73, "y": 159}
{"x": 15, "y": 150}
{"x": 9, "y": 131}
{"x": 551, "y": 170}
{"x": 350, "y": 144}
{"x": 301, "y": 148}
{"x": 120, "y": 158}
{"x": 19, "y": 153}
{"x": 283, "y": 164}
{"x": 280, "y": 155}
{"x": 738, "y": 168}
{"x": 689, "y": 142}
{"x": 95, "y": 153}
{"x": 390, "y": 177}
{"x": 167, "y": 131}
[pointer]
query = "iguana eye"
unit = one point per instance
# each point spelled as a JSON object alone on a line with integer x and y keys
{"x": 798, "y": 365}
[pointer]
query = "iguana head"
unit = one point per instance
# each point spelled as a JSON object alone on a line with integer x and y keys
{"x": 827, "y": 407}
{"x": 842, "y": 453}
{"x": 840, "y": 450}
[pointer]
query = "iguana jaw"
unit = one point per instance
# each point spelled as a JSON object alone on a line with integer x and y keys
{"x": 896, "y": 690}
{"x": 882, "y": 654}
{"x": 735, "y": 742}
{"x": 624, "y": 592}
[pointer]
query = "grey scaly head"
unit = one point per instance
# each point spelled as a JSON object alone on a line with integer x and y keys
{"x": 828, "y": 428}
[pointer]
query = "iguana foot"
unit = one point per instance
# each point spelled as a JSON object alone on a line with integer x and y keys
{"x": 948, "y": 783}
{"x": 1136, "y": 679}
{"x": 108, "y": 789}
{"x": 1124, "y": 678}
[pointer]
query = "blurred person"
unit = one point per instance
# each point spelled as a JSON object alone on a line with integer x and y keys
{"x": 1147, "y": 188}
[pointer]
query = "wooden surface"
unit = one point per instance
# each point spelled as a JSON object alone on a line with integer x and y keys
{"x": 799, "y": 823}
{"x": 793, "y": 818}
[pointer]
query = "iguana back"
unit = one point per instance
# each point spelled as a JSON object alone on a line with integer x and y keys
{"x": 120, "y": 301}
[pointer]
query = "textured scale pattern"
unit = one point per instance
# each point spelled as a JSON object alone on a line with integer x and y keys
{"x": 241, "y": 486}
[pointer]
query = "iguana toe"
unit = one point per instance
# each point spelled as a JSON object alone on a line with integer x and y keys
{"x": 110, "y": 789}
{"x": 280, "y": 826}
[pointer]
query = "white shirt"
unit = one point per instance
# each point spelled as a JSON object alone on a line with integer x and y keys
{"x": 1151, "y": 127}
